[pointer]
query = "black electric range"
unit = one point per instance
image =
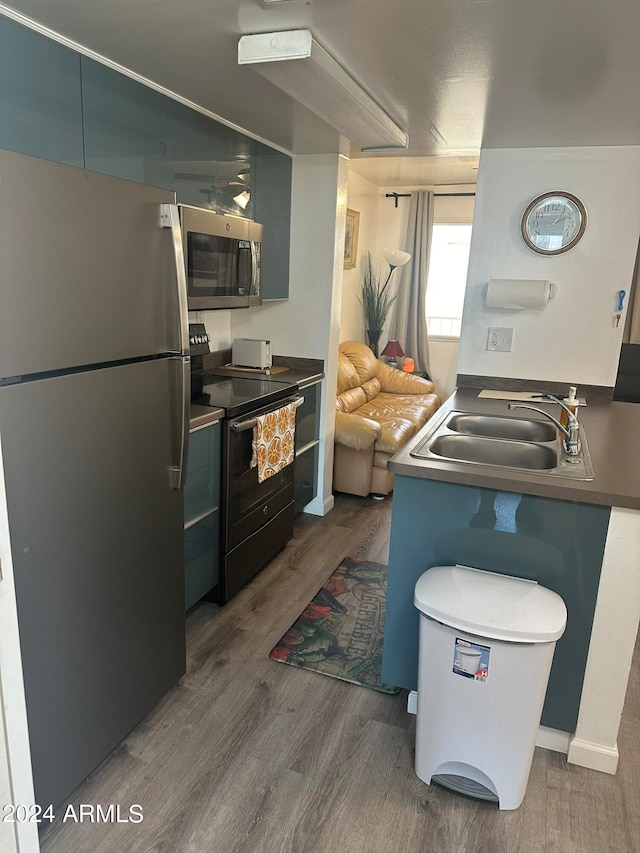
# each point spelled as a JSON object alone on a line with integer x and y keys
{"x": 240, "y": 395}
{"x": 257, "y": 516}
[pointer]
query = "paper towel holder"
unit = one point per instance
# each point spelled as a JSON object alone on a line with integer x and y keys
{"x": 514, "y": 294}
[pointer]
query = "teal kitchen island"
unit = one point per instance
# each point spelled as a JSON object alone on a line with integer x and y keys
{"x": 579, "y": 538}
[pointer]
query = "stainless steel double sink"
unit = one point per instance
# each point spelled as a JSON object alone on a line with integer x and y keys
{"x": 524, "y": 444}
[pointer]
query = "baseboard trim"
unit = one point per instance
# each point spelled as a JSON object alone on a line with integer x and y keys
{"x": 412, "y": 702}
{"x": 553, "y": 739}
{"x": 584, "y": 753}
{"x": 318, "y": 506}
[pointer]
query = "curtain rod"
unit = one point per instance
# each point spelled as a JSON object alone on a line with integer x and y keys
{"x": 396, "y": 196}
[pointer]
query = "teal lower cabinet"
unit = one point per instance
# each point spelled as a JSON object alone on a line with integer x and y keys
{"x": 306, "y": 482}
{"x": 202, "y": 513}
{"x": 307, "y": 446}
{"x": 201, "y": 558}
{"x": 558, "y": 543}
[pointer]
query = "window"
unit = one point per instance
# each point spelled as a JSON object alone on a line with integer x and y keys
{"x": 447, "y": 278}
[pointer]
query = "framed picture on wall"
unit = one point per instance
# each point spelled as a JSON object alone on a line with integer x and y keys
{"x": 351, "y": 239}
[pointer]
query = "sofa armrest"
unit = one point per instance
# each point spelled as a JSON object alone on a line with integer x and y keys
{"x": 394, "y": 381}
{"x": 355, "y": 431}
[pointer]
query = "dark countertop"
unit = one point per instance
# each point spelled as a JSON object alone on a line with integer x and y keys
{"x": 299, "y": 371}
{"x": 612, "y": 431}
{"x": 203, "y": 415}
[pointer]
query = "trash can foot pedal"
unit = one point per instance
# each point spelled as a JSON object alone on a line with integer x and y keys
{"x": 463, "y": 785}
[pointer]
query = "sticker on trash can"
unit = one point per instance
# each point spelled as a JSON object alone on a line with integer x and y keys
{"x": 471, "y": 660}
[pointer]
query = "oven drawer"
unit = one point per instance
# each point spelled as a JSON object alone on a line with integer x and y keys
{"x": 244, "y": 561}
{"x": 238, "y": 527}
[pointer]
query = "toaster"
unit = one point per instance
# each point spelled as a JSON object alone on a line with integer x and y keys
{"x": 251, "y": 352}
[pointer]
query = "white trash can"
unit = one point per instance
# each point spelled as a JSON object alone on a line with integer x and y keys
{"x": 486, "y": 645}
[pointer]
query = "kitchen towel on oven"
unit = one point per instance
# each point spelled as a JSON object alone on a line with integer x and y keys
{"x": 273, "y": 441}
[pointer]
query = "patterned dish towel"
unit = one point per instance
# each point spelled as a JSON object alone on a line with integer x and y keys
{"x": 273, "y": 441}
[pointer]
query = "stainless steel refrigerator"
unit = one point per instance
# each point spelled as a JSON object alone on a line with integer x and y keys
{"x": 94, "y": 395}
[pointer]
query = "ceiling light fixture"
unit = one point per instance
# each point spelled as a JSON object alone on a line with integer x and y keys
{"x": 297, "y": 64}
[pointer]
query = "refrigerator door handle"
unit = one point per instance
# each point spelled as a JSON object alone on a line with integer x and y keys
{"x": 182, "y": 409}
{"x": 170, "y": 218}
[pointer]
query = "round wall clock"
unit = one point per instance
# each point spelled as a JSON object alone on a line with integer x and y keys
{"x": 554, "y": 222}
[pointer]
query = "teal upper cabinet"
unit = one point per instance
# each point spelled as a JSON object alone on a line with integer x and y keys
{"x": 134, "y": 132}
{"x": 40, "y": 98}
{"x": 272, "y": 189}
{"x": 61, "y": 106}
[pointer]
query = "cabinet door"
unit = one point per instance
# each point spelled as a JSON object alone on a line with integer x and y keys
{"x": 308, "y": 416}
{"x": 202, "y": 514}
{"x": 307, "y": 446}
{"x": 201, "y": 558}
{"x": 306, "y": 485}
{"x": 202, "y": 487}
{"x": 40, "y": 100}
{"x": 134, "y": 132}
{"x": 272, "y": 185}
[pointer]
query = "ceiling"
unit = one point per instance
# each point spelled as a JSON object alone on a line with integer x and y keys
{"x": 455, "y": 74}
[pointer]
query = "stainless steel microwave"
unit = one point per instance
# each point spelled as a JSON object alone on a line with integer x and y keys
{"x": 222, "y": 258}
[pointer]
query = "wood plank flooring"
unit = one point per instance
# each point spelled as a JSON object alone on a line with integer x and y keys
{"x": 247, "y": 755}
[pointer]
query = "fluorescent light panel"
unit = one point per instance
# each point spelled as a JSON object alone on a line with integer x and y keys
{"x": 297, "y": 64}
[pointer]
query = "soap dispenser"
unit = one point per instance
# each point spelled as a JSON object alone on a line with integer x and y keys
{"x": 571, "y": 402}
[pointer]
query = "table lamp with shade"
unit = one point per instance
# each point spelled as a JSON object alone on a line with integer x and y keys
{"x": 393, "y": 353}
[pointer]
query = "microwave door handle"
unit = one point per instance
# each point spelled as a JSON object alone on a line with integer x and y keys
{"x": 170, "y": 218}
{"x": 254, "y": 269}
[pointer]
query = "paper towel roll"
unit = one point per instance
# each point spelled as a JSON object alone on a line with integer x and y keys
{"x": 518, "y": 293}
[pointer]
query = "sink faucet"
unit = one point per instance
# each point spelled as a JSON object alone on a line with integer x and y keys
{"x": 571, "y": 432}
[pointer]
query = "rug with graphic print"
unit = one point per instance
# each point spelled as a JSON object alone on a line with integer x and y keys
{"x": 339, "y": 633}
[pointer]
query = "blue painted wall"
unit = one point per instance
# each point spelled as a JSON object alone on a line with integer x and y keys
{"x": 558, "y": 543}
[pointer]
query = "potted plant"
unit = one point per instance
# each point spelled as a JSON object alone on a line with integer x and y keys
{"x": 376, "y": 298}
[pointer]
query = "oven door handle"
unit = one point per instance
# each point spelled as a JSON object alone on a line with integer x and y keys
{"x": 242, "y": 426}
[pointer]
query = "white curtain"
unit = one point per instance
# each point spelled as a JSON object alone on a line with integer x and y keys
{"x": 410, "y": 320}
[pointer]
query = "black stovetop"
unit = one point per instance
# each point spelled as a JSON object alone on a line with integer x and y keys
{"x": 238, "y": 396}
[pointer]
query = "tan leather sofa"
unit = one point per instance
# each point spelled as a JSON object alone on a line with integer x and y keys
{"x": 378, "y": 409}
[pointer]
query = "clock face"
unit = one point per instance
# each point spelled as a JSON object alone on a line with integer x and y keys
{"x": 553, "y": 223}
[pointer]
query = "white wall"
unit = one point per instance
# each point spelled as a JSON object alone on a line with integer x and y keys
{"x": 363, "y": 196}
{"x": 217, "y": 324}
{"x": 307, "y": 324}
{"x": 573, "y": 339}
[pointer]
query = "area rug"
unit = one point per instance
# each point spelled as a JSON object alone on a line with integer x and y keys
{"x": 339, "y": 633}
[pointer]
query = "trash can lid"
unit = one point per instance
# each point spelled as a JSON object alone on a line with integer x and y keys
{"x": 491, "y": 605}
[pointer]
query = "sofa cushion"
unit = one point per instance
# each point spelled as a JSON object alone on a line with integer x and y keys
{"x": 371, "y": 388}
{"x": 347, "y": 375}
{"x": 395, "y": 432}
{"x": 350, "y": 400}
{"x": 417, "y": 409}
{"x": 362, "y": 359}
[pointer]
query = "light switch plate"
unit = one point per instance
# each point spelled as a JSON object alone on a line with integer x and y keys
{"x": 500, "y": 339}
